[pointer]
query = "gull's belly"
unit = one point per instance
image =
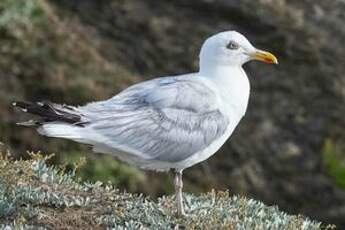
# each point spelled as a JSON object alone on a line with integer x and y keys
{"x": 210, "y": 150}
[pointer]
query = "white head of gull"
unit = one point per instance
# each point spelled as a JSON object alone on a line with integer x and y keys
{"x": 166, "y": 123}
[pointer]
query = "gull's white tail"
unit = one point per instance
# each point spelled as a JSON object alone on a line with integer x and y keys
{"x": 61, "y": 130}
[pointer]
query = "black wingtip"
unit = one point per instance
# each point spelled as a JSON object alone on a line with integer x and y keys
{"x": 23, "y": 106}
{"x": 48, "y": 112}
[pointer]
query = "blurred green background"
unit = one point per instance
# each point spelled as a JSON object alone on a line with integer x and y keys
{"x": 289, "y": 150}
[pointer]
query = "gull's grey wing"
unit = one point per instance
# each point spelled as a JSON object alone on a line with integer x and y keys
{"x": 166, "y": 119}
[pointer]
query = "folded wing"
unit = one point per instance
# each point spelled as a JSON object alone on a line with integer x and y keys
{"x": 167, "y": 119}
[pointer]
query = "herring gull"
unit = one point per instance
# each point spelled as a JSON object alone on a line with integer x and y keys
{"x": 166, "y": 123}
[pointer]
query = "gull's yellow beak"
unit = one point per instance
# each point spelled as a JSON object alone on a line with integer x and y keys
{"x": 264, "y": 56}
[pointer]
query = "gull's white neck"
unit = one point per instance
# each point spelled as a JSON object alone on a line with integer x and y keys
{"x": 231, "y": 82}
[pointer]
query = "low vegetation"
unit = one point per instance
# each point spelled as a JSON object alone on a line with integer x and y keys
{"x": 34, "y": 195}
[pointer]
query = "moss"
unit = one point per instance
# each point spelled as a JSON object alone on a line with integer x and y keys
{"x": 33, "y": 195}
{"x": 334, "y": 166}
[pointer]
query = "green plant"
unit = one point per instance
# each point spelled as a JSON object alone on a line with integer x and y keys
{"x": 334, "y": 166}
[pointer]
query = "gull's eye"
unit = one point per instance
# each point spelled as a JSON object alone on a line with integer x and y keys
{"x": 232, "y": 45}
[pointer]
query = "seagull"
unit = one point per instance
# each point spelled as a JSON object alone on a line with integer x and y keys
{"x": 167, "y": 123}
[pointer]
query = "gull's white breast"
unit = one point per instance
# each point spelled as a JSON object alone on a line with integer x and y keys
{"x": 234, "y": 94}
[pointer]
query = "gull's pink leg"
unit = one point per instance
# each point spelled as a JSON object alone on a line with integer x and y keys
{"x": 178, "y": 189}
